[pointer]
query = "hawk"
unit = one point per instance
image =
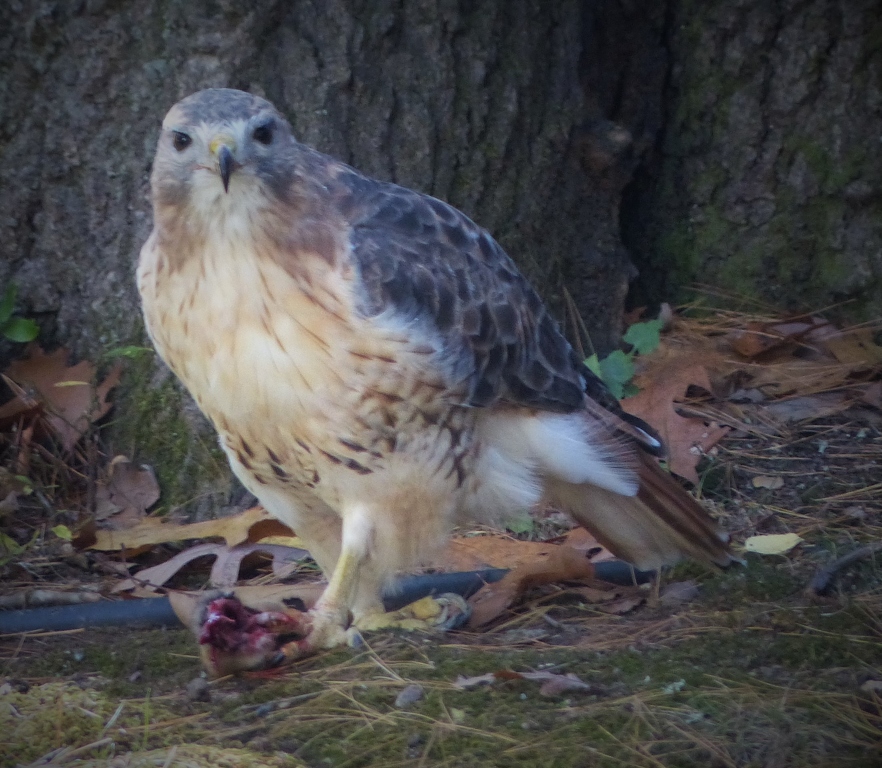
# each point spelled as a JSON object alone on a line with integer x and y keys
{"x": 376, "y": 367}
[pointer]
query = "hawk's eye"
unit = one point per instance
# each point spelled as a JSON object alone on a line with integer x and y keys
{"x": 264, "y": 133}
{"x": 181, "y": 141}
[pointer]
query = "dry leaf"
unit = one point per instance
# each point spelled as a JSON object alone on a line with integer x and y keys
{"x": 471, "y": 553}
{"x": 685, "y": 439}
{"x": 560, "y": 564}
{"x": 871, "y": 394}
{"x": 464, "y": 683}
{"x": 596, "y": 594}
{"x": 764, "y": 481}
{"x": 554, "y": 684}
{"x": 763, "y": 338}
{"x": 855, "y": 348}
{"x": 224, "y": 572}
{"x": 127, "y": 495}
{"x": 67, "y": 394}
{"x": 234, "y": 529}
{"x": 623, "y": 605}
{"x": 772, "y": 544}
{"x": 808, "y": 407}
{"x": 583, "y": 540}
{"x": 679, "y": 592}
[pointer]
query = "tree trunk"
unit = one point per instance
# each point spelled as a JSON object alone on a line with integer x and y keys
{"x": 768, "y": 178}
{"x": 501, "y": 107}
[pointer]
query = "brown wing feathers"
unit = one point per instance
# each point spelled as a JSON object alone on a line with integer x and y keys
{"x": 657, "y": 527}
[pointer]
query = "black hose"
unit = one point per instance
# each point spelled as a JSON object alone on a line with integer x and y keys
{"x": 158, "y": 611}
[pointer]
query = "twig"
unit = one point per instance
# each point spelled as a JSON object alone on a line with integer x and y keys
{"x": 821, "y": 580}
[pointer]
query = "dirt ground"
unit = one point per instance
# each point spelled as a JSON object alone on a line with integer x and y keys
{"x": 770, "y": 664}
{"x": 751, "y": 671}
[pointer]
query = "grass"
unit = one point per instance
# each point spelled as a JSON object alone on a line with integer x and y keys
{"x": 753, "y": 673}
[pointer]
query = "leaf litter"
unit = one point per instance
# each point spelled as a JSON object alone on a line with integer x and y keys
{"x": 833, "y": 390}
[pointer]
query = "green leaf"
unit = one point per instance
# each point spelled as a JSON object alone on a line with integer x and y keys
{"x": 20, "y": 329}
{"x": 9, "y": 546}
{"x": 630, "y": 389}
{"x": 617, "y": 369}
{"x": 593, "y": 365}
{"x": 7, "y": 303}
{"x": 62, "y": 532}
{"x": 644, "y": 337}
{"x": 27, "y": 489}
{"x": 522, "y": 524}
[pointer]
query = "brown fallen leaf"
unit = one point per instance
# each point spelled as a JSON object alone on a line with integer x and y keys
{"x": 779, "y": 336}
{"x": 623, "y": 605}
{"x": 686, "y": 439}
{"x": 127, "y": 494}
{"x": 234, "y": 529}
{"x": 679, "y": 592}
{"x": 583, "y": 540}
{"x": 23, "y": 405}
{"x": 808, "y": 407}
{"x": 596, "y": 594}
{"x": 471, "y": 553}
{"x": 871, "y": 394}
{"x": 70, "y": 399}
{"x": 855, "y": 348}
{"x": 560, "y": 564}
{"x": 224, "y": 572}
{"x": 614, "y": 599}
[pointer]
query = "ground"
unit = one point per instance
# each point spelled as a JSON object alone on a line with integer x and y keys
{"x": 756, "y": 670}
{"x": 752, "y": 672}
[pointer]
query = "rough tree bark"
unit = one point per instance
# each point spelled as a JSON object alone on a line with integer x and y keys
{"x": 499, "y": 107}
{"x": 768, "y": 178}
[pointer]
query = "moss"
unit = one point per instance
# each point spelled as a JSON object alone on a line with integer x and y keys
{"x": 660, "y": 704}
{"x": 831, "y": 172}
{"x": 163, "y": 658}
{"x": 152, "y": 426}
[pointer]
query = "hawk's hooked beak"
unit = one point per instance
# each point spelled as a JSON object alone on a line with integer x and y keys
{"x": 222, "y": 148}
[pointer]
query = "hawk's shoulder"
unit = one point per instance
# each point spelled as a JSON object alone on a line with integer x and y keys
{"x": 425, "y": 262}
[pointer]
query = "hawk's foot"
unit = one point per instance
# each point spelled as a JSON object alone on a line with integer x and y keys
{"x": 324, "y": 630}
{"x": 441, "y": 613}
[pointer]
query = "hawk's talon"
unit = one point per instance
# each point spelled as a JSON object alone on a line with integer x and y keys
{"x": 439, "y": 613}
{"x": 456, "y": 611}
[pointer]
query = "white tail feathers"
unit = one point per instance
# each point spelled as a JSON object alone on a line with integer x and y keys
{"x": 568, "y": 446}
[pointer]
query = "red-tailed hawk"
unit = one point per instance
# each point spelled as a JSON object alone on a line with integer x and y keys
{"x": 376, "y": 366}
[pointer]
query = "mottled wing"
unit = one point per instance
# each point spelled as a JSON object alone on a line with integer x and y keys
{"x": 427, "y": 263}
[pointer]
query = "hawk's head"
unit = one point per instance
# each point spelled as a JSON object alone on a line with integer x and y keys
{"x": 223, "y": 151}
